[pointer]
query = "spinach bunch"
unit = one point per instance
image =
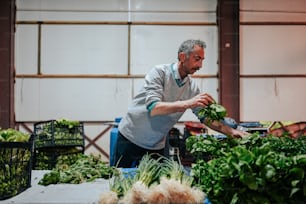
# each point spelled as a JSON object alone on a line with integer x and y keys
{"x": 213, "y": 112}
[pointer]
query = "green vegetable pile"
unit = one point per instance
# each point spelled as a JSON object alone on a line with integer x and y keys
{"x": 46, "y": 159}
{"x": 253, "y": 169}
{"x": 61, "y": 132}
{"x": 12, "y": 135}
{"x": 85, "y": 169}
{"x": 15, "y": 160}
{"x": 213, "y": 112}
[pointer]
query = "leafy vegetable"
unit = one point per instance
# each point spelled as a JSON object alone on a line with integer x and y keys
{"x": 252, "y": 169}
{"x": 46, "y": 159}
{"x": 213, "y": 112}
{"x": 12, "y": 135}
{"x": 86, "y": 168}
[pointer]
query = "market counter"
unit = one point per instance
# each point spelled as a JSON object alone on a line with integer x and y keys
{"x": 85, "y": 193}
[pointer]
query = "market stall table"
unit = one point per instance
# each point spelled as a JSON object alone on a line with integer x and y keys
{"x": 84, "y": 193}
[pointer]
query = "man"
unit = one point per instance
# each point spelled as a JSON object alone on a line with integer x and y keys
{"x": 168, "y": 91}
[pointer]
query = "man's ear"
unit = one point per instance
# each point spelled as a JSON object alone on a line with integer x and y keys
{"x": 182, "y": 56}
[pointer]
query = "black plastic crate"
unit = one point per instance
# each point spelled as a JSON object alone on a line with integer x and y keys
{"x": 47, "y": 159}
{"x": 58, "y": 133}
{"x": 15, "y": 167}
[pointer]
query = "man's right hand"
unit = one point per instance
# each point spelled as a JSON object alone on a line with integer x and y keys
{"x": 201, "y": 100}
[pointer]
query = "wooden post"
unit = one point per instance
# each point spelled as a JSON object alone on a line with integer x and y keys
{"x": 228, "y": 25}
{"x": 7, "y": 30}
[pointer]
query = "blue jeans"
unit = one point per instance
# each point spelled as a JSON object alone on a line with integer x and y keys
{"x": 128, "y": 154}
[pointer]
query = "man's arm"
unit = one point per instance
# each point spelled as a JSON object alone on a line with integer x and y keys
{"x": 164, "y": 108}
{"x": 227, "y": 130}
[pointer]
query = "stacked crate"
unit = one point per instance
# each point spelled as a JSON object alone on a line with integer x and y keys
{"x": 15, "y": 164}
{"x": 56, "y": 139}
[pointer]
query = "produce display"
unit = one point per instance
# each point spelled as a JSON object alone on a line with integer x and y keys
{"x": 252, "y": 169}
{"x": 213, "y": 112}
{"x": 47, "y": 159}
{"x": 55, "y": 138}
{"x": 15, "y": 162}
{"x": 155, "y": 181}
{"x": 60, "y": 132}
{"x": 86, "y": 168}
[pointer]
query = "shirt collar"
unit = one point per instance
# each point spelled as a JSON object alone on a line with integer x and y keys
{"x": 177, "y": 76}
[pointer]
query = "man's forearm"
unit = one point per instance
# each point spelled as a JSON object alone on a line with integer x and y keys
{"x": 220, "y": 127}
{"x": 227, "y": 130}
{"x": 164, "y": 108}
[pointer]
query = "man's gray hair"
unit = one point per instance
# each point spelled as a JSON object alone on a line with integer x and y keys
{"x": 188, "y": 45}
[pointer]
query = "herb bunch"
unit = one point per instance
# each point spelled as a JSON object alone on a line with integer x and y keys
{"x": 213, "y": 112}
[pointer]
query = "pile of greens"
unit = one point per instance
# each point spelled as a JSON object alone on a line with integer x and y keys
{"x": 253, "y": 169}
{"x": 85, "y": 169}
{"x": 213, "y": 112}
{"x": 46, "y": 159}
{"x": 12, "y": 135}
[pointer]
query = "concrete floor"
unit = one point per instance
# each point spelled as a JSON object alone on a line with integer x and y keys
{"x": 85, "y": 193}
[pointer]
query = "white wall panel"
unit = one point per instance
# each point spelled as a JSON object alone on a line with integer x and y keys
{"x": 71, "y": 16}
{"x": 27, "y": 99}
{"x": 72, "y": 5}
{"x": 117, "y": 10}
{"x": 273, "y": 10}
{"x": 173, "y": 17}
{"x": 79, "y": 99}
{"x": 279, "y": 99}
{"x": 173, "y": 10}
{"x": 273, "y": 49}
{"x": 274, "y": 5}
{"x": 276, "y": 17}
{"x": 26, "y": 49}
{"x": 123, "y": 5}
{"x": 72, "y": 10}
{"x": 209, "y": 85}
{"x": 84, "y": 49}
{"x": 173, "y": 5}
{"x": 151, "y": 45}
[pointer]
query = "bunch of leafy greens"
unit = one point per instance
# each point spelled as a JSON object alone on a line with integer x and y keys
{"x": 253, "y": 169}
{"x": 213, "y": 112}
{"x": 86, "y": 168}
{"x": 12, "y": 135}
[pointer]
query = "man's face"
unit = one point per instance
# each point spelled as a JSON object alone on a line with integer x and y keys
{"x": 193, "y": 62}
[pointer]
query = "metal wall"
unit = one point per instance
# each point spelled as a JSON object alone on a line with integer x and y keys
{"x": 85, "y": 60}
